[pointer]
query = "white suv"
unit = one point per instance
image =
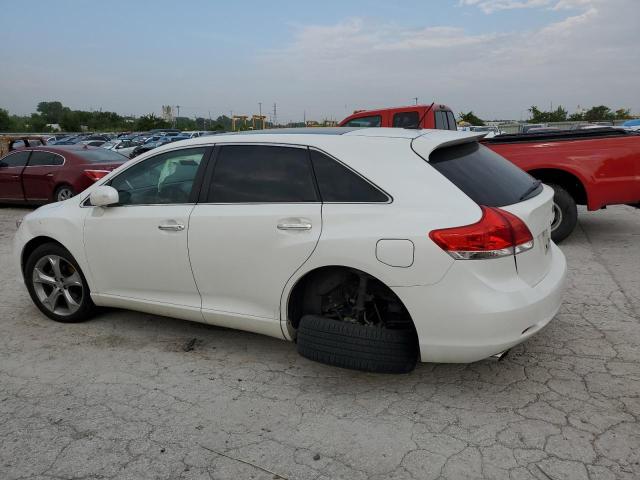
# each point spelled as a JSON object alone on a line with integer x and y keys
{"x": 370, "y": 247}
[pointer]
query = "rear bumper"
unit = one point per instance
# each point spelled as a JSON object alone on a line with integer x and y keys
{"x": 464, "y": 318}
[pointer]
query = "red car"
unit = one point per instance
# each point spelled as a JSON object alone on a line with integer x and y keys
{"x": 37, "y": 175}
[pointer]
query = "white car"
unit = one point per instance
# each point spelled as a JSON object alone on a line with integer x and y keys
{"x": 123, "y": 147}
{"x": 370, "y": 247}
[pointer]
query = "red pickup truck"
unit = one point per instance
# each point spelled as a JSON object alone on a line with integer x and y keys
{"x": 596, "y": 167}
{"x": 415, "y": 116}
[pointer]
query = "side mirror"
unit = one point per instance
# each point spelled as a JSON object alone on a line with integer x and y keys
{"x": 103, "y": 196}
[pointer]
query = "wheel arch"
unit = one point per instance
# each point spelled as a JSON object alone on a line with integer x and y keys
{"x": 293, "y": 305}
{"x": 32, "y": 244}
{"x": 57, "y": 185}
{"x": 571, "y": 182}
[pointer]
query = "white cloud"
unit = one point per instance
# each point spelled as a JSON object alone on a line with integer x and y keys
{"x": 490, "y": 6}
{"x": 589, "y": 57}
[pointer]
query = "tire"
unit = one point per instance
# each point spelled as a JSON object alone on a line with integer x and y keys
{"x": 72, "y": 300}
{"x": 565, "y": 206}
{"x": 356, "y": 346}
{"x": 63, "y": 192}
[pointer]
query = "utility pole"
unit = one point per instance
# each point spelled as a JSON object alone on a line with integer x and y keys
{"x": 260, "y": 113}
{"x": 275, "y": 115}
{"x": 178, "y": 115}
{"x": 304, "y": 117}
{"x": 416, "y": 99}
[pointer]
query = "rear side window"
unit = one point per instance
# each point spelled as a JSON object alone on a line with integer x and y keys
{"x": 339, "y": 184}
{"x": 262, "y": 174}
{"x": 441, "y": 120}
{"x": 99, "y": 155}
{"x": 372, "y": 121}
{"x": 486, "y": 177}
{"x": 39, "y": 159}
{"x": 18, "y": 159}
{"x": 406, "y": 120}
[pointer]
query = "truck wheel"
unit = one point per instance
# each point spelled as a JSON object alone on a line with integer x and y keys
{"x": 358, "y": 347}
{"x": 565, "y": 214}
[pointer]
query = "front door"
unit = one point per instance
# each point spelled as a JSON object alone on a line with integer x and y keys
{"x": 137, "y": 250}
{"x": 259, "y": 221}
{"x": 11, "y": 168}
{"x": 37, "y": 179}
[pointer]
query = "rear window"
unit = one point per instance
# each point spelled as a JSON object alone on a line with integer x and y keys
{"x": 406, "y": 120}
{"x": 99, "y": 155}
{"x": 373, "y": 121}
{"x": 486, "y": 177}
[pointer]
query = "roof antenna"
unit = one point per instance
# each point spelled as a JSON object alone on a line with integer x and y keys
{"x": 417, "y": 127}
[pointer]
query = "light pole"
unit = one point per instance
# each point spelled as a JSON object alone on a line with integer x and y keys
{"x": 261, "y": 119}
{"x": 178, "y": 115}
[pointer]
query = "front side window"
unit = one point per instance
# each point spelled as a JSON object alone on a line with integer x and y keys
{"x": 373, "y": 121}
{"x": 406, "y": 120}
{"x": 39, "y": 159}
{"x": 18, "y": 159}
{"x": 164, "y": 179}
{"x": 339, "y": 184}
{"x": 262, "y": 174}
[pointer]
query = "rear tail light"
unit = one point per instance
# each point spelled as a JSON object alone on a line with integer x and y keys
{"x": 96, "y": 174}
{"x": 497, "y": 234}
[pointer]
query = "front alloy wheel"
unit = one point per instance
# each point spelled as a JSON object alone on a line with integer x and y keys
{"x": 64, "y": 193}
{"x": 56, "y": 284}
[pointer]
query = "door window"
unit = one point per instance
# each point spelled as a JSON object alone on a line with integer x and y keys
{"x": 262, "y": 174}
{"x": 441, "y": 120}
{"x": 164, "y": 179}
{"x": 452, "y": 121}
{"x": 339, "y": 184}
{"x": 406, "y": 120}
{"x": 39, "y": 159}
{"x": 18, "y": 159}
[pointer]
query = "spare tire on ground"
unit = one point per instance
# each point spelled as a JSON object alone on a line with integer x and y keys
{"x": 358, "y": 347}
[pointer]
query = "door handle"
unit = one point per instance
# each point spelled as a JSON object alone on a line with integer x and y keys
{"x": 295, "y": 226}
{"x": 175, "y": 227}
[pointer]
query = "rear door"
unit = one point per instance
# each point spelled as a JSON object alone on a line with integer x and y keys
{"x": 37, "y": 178}
{"x": 259, "y": 220}
{"x": 11, "y": 168}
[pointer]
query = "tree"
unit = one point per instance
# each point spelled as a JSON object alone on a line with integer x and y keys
{"x": 51, "y": 111}
{"x": 37, "y": 123}
{"x": 149, "y": 122}
{"x": 601, "y": 112}
{"x": 623, "y": 114}
{"x": 5, "y": 121}
{"x": 576, "y": 117}
{"x": 540, "y": 116}
{"x": 70, "y": 121}
{"x": 470, "y": 118}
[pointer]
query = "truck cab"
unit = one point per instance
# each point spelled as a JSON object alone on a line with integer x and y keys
{"x": 436, "y": 116}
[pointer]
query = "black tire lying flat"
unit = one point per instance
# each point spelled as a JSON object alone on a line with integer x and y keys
{"x": 357, "y": 347}
{"x": 567, "y": 205}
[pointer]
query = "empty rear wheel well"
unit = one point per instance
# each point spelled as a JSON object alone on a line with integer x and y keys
{"x": 566, "y": 180}
{"x": 32, "y": 245}
{"x": 330, "y": 291}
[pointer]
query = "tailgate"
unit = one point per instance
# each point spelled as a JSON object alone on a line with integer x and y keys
{"x": 537, "y": 213}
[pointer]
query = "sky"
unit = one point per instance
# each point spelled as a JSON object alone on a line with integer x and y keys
{"x": 320, "y": 59}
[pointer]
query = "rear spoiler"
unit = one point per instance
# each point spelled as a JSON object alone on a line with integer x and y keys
{"x": 426, "y": 144}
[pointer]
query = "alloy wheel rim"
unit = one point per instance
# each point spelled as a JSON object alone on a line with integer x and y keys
{"x": 58, "y": 285}
{"x": 557, "y": 217}
{"x": 64, "y": 194}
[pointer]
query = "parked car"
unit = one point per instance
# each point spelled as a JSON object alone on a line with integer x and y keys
{"x": 632, "y": 124}
{"x": 92, "y": 143}
{"x": 415, "y": 116}
{"x": 123, "y": 147}
{"x": 147, "y": 146}
{"x": 592, "y": 167}
{"x": 490, "y": 131}
{"x": 370, "y": 248}
{"x": 37, "y": 175}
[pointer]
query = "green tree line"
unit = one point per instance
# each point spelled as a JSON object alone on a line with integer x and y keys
{"x": 594, "y": 114}
{"x": 55, "y": 112}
